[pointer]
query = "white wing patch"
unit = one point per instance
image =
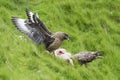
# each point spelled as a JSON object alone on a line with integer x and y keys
{"x": 31, "y": 16}
{"x": 22, "y": 25}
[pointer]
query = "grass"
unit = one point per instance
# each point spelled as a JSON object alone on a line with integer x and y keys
{"x": 92, "y": 24}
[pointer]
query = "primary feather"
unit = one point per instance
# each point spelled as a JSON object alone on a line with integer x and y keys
{"x": 29, "y": 29}
{"x": 21, "y": 24}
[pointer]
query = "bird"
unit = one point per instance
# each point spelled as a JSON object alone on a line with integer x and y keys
{"x": 86, "y": 57}
{"x": 64, "y": 55}
{"x": 36, "y": 30}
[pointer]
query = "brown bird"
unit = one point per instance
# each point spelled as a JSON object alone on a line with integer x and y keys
{"x": 86, "y": 57}
{"x": 36, "y": 30}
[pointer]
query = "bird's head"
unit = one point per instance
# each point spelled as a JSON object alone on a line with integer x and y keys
{"x": 97, "y": 54}
{"x": 66, "y": 36}
{"x": 61, "y": 35}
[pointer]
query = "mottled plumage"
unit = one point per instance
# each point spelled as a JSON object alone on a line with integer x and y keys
{"x": 86, "y": 57}
{"x": 35, "y": 29}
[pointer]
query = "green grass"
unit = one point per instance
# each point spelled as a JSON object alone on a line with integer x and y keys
{"x": 94, "y": 25}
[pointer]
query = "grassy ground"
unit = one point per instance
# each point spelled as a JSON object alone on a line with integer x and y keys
{"x": 94, "y": 25}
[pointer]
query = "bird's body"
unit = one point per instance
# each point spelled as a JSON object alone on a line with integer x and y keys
{"x": 86, "y": 57}
{"x": 54, "y": 45}
{"x": 35, "y": 29}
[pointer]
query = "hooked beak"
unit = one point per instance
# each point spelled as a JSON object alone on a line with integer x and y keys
{"x": 66, "y": 37}
{"x": 99, "y": 57}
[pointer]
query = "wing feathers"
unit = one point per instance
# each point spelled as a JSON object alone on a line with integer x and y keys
{"x": 30, "y": 30}
{"x": 37, "y": 20}
{"x": 21, "y": 25}
{"x": 37, "y": 37}
{"x": 34, "y": 28}
{"x": 30, "y": 15}
{"x": 34, "y": 18}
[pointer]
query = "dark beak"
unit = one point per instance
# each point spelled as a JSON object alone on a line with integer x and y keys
{"x": 67, "y": 37}
{"x": 99, "y": 57}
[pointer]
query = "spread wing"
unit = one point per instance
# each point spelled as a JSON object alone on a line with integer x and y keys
{"x": 36, "y": 19}
{"x": 33, "y": 30}
{"x": 30, "y": 16}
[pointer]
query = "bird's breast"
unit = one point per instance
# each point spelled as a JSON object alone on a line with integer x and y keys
{"x": 56, "y": 44}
